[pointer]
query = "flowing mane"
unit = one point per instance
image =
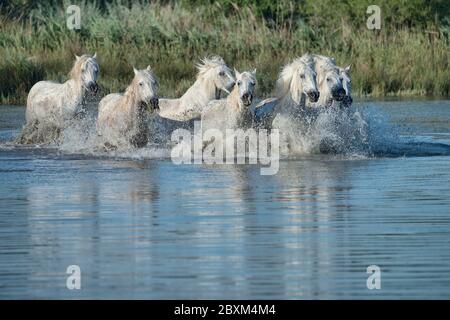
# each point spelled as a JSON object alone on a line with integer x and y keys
{"x": 75, "y": 73}
{"x": 327, "y": 66}
{"x": 324, "y": 68}
{"x": 283, "y": 84}
{"x": 213, "y": 77}
{"x": 207, "y": 64}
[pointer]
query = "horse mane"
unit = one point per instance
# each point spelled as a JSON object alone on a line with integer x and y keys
{"x": 75, "y": 73}
{"x": 209, "y": 63}
{"x": 284, "y": 80}
{"x": 327, "y": 66}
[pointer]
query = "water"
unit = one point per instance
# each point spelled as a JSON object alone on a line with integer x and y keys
{"x": 141, "y": 227}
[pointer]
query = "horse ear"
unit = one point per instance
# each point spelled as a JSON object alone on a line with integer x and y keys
{"x": 237, "y": 73}
{"x": 135, "y": 70}
{"x": 348, "y": 68}
{"x": 254, "y": 72}
{"x": 95, "y": 55}
{"x": 149, "y": 68}
{"x": 77, "y": 57}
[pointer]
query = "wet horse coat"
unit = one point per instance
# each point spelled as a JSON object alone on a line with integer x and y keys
{"x": 51, "y": 105}
{"x": 213, "y": 77}
{"x": 122, "y": 117}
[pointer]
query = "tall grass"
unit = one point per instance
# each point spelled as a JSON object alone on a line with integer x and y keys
{"x": 172, "y": 37}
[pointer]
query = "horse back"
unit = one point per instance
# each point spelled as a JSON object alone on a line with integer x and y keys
{"x": 108, "y": 106}
{"x": 44, "y": 98}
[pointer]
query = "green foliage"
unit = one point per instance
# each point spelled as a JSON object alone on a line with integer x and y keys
{"x": 410, "y": 54}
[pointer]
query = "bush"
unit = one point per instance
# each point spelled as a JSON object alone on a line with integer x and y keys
{"x": 410, "y": 54}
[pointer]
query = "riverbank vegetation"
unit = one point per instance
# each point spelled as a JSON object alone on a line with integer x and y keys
{"x": 409, "y": 55}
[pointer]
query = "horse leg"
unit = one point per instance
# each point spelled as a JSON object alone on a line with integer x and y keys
{"x": 139, "y": 140}
{"x": 28, "y": 134}
{"x": 109, "y": 147}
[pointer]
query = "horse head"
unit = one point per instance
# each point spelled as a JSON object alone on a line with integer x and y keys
{"x": 347, "y": 85}
{"x": 145, "y": 86}
{"x": 86, "y": 69}
{"x": 215, "y": 71}
{"x": 331, "y": 82}
{"x": 246, "y": 83}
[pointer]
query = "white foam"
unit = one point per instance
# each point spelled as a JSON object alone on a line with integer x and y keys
{"x": 349, "y": 134}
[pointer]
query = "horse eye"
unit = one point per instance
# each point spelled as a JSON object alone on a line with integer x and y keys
{"x": 221, "y": 73}
{"x": 302, "y": 76}
{"x": 239, "y": 83}
{"x": 141, "y": 83}
{"x": 328, "y": 79}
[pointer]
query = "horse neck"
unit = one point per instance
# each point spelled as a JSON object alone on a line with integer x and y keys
{"x": 133, "y": 105}
{"x": 238, "y": 113}
{"x": 200, "y": 93}
{"x": 287, "y": 104}
{"x": 325, "y": 98}
{"x": 75, "y": 89}
{"x": 234, "y": 103}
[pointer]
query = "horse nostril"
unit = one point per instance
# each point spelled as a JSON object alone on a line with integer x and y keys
{"x": 247, "y": 98}
{"x": 313, "y": 95}
{"x": 155, "y": 103}
{"x": 93, "y": 86}
{"x": 339, "y": 94}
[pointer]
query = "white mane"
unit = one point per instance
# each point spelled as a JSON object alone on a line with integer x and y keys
{"x": 207, "y": 64}
{"x": 213, "y": 77}
{"x": 283, "y": 84}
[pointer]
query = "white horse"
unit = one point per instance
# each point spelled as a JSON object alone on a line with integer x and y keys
{"x": 235, "y": 110}
{"x": 213, "y": 76}
{"x": 347, "y": 85}
{"x": 50, "y": 104}
{"x": 122, "y": 117}
{"x": 295, "y": 85}
{"x": 329, "y": 80}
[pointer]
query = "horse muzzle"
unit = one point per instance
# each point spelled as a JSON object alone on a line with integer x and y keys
{"x": 247, "y": 99}
{"x": 339, "y": 94}
{"x": 154, "y": 103}
{"x": 93, "y": 87}
{"x": 313, "y": 95}
{"x": 347, "y": 101}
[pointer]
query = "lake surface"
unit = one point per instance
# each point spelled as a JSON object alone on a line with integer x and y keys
{"x": 139, "y": 226}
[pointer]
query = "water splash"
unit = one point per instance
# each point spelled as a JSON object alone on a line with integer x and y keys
{"x": 352, "y": 133}
{"x": 330, "y": 131}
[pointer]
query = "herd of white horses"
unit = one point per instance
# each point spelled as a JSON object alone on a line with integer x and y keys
{"x": 310, "y": 81}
